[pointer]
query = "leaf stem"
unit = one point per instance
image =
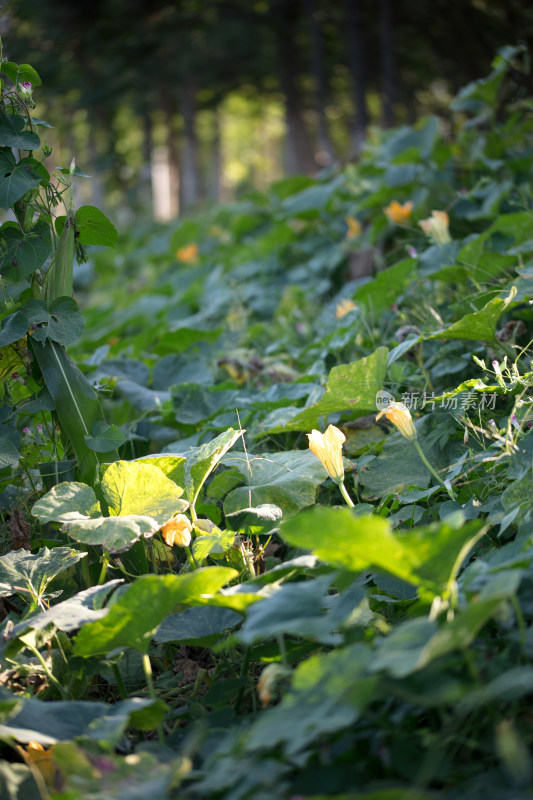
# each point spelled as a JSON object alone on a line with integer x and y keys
{"x": 435, "y": 474}
{"x": 147, "y": 667}
{"x": 346, "y": 496}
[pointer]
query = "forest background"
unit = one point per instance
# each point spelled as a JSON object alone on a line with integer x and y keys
{"x": 177, "y": 105}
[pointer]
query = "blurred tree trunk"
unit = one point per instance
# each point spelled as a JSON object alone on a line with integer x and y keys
{"x": 388, "y": 63}
{"x": 356, "y": 61}
{"x": 214, "y": 160}
{"x": 325, "y": 154}
{"x": 146, "y": 169}
{"x": 299, "y": 154}
{"x": 189, "y": 190}
{"x": 173, "y": 163}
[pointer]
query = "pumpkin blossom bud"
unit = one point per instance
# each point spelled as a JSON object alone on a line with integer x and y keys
{"x": 344, "y": 307}
{"x": 354, "y": 227}
{"x": 327, "y": 447}
{"x": 436, "y": 226}
{"x": 398, "y": 213}
{"x": 36, "y": 756}
{"x": 188, "y": 254}
{"x": 400, "y": 416}
{"x": 177, "y": 531}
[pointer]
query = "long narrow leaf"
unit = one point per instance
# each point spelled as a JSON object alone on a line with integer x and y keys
{"x": 59, "y": 278}
{"x": 76, "y": 403}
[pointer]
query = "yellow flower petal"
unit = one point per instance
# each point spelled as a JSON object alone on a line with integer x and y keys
{"x": 327, "y": 447}
{"x": 398, "y": 213}
{"x": 188, "y": 254}
{"x": 177, "y": 531}
{"x": 400, "y": 416}
{"x": 354, "y": 227}
{"x": 436, "y": 226}
{"x": 344, "y": 307}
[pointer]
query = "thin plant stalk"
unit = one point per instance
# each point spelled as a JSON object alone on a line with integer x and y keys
{"x": 435, "y": 474}
{"x": 147, "y": 667}
{"x": 346, "y": 496}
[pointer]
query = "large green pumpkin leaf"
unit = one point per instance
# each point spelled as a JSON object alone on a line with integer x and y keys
{"x": 144, "y": 775}
{"x": 55, "y": 721}
{"x": 329, "y": 693}
{"x": 172, "y": 466}
{"x": 133, "y": 620}
{"x": 115, "y": 534}
{"x": 480, "y": 325}
{"x": 428, "y": 557}
{"x": 134, "y": 487}
{"x": 351, "y": 388}
{"x": 381, "y": 292}
{"x": 66, "y": 502}
{"x": 202, "y": 460}
{"x": 20, "y": 570}
{"x": 288, "y": 480}
{"x": 397, "y": 465}
{"x": 201, "y": 626}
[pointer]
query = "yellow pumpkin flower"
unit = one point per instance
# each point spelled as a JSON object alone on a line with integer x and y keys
{"x": 35, "y": 755}
{"x": 436, "y": 226}
{"x": 398, "y": 213}
{"x": 400, "y": 416}
{"x": 354, "y": 227}
{"x": 327, "y": 447}
{"x": 188, "y": 254}
{"x": 177, "y": 531}
{"x": 344, "y": 307}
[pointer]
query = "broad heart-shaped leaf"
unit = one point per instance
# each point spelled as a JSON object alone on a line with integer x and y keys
{"x": 397, "y": 465}
{"x": 428, "y": 557}
{"x": 66, "y": 502}
{"x": 480, "y": 325}
{"x": 351, "y": 387}
{"x": 287, "y": 480}
{"x": 33, "y": 573}
{"x": 9, "y": 455}
{"x": 299, "y": 609}
{"x": 171, "y": 465}
{"x": 134, "y": 618}
{"x": 329, "y": 694}
{"x": 62, "y": 323}
{"x": 201, "y": 461}
{"x": 115, "y": 534}
{"x": 143, "y": 776}
{"x": 12, "y": 133}
{"x": 21, "y": 73}
{"x": 215, "y": 542}
{"x": 68, "y": 615}
{"x": 14, "y": 327}
{"x": 416, "y": 643}
{"x": 381, "y": 292}
{"x": 94, "y": 227}
{"x": 25, "y": 252}
{"x": 104, "y": 437}
{"x": 55, "y": 721}
{"x": 76, "y": 403}
{"x": 15, "y": 179}
{"x": 133, "y": 487}
{"x": 199, "y": 625}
